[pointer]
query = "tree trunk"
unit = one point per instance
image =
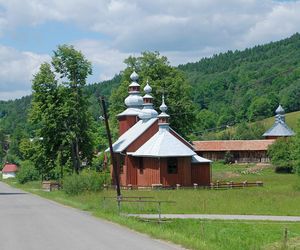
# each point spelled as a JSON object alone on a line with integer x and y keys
{"x": 74, "y": 158}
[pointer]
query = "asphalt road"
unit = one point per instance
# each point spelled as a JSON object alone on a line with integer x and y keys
{"x": 28, "y": 222}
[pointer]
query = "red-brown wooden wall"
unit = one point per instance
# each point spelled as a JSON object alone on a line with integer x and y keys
{"x": 149, "y": 172}
{"x": 201, "y": 174}
{"x": 126, "y": 122}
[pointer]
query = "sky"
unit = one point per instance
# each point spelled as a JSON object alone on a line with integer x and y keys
{"x": 108, "y": 31}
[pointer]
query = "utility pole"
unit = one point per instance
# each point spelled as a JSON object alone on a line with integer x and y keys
{"x": 116, "y": 175}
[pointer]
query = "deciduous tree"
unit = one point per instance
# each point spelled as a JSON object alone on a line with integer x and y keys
{"x": 163, "y": 78}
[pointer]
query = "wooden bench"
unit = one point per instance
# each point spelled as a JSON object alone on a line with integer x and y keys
{"x": 156, "y": 186}
{"x": 231, "y": 184}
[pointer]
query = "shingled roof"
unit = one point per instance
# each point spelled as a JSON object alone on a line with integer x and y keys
{"x": 9, "y": 168}
{"x": 164, "y": 144}
{"x": 233, "y": 145}
{"x": 132, "y": 134}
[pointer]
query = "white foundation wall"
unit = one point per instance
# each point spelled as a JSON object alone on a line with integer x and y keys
{"x": 8, "y": 175}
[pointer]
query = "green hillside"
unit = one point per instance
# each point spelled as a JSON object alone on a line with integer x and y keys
{"x": 249, "y": 131}
{"x": 229, "y": 88}
{"x": 247, "y": 85}
{"x": 291, "y": 119}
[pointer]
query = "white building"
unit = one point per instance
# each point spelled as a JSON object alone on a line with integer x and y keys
{"x": 9, "y": 171}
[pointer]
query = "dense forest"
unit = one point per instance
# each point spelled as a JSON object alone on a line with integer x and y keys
{"x": 229, "y": 88}
{"x": 247, "y": 85}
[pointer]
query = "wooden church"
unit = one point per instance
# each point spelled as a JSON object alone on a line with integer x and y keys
{"x": 149, "y": 152}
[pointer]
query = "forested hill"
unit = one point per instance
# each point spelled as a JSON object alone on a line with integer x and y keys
{"x": 13, "y": 114}
{"x": 248, "y": 85}
{"x": 227, "y": 88}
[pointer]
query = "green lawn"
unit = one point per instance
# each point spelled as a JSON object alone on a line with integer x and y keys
{"x": 279, "y": 196}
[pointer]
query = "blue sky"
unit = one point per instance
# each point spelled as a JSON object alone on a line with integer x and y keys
{"x": 108, "y": 31}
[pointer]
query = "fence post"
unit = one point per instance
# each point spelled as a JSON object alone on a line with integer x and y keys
{"x": 159, "y": 212}
{"x": 285, "y": 238}
{"x": 119, "y": 198}
{"x": 103, "y": 205}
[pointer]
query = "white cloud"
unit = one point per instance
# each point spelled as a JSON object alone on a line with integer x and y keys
{"x": 106, "y": 60}
{"x": 282, "y": 21}
{"x": 11, "y": 95}
{"x": 16, "y": 71}
{"x": 169, "y": 25}
{"x": 182, "y": 30}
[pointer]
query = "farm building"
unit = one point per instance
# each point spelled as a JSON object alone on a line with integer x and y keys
{"x": 149, "y": 152}
{"x": 242, "y": 151}
{"x": 238, "y": 151}
{"x": 9, "y": 171}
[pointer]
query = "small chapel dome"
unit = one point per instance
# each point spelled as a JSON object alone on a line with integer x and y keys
{"x": 280, "y": 110}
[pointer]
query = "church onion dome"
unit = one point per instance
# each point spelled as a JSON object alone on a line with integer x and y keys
{"x": 148, "y": 88}
{"x": 134, "y": 76}
{"x": 134, "y": 100}
{"x": 164, "y": 117}
{"x": 148, "y": 111}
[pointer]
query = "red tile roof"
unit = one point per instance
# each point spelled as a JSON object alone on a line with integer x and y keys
{"x": 233, "y": 145}
{"x": 9, "y": 168}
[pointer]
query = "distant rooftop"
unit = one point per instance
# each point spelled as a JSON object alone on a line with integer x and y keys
{"x": 233, "y": 145}
{"x": 8, "y": 168}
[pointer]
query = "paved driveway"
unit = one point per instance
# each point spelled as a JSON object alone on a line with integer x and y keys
{"x": 28, "y": 222}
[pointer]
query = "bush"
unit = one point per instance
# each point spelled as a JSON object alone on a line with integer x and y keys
{"x": 284, "y": 170}
{"x": 27, "y": 172}
{"x": 228, "y": 157}
{"x": 281, "y": 155}
{"x": 74, "y": 184}
{"x": 85, "y": 181}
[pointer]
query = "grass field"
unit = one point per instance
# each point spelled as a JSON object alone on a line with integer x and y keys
{"x": 279, "y": 196}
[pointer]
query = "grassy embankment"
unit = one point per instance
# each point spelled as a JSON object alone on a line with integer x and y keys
{"x": 291, "y": 120}
{"x": 279, "y": 196}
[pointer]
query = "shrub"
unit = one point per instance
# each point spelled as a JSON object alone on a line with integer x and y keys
{"x": 74, "y": 184}
{"x": 280, "y": 154}
{"x": 284, "y": 169}
{"x": 27, "y": 172}
{"x": 86, "y": 181}
{"x": 228, "y": 157}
